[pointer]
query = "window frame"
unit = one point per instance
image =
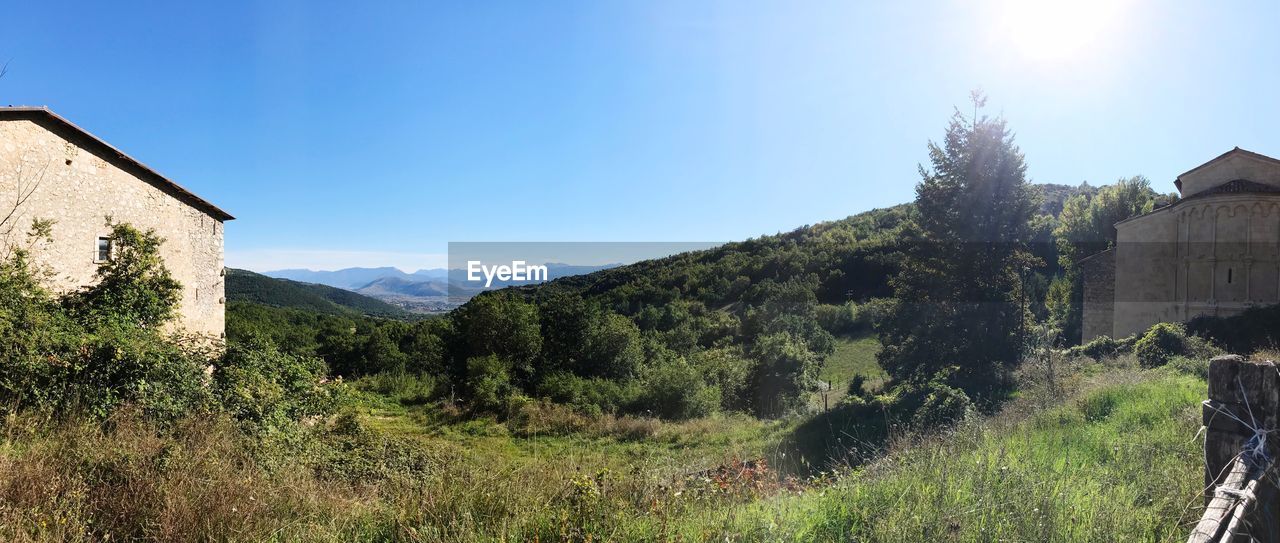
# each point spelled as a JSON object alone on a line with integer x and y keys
{"x": 97, "y": 249}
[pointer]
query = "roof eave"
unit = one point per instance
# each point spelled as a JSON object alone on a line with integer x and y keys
{"x": 184, "y": 194}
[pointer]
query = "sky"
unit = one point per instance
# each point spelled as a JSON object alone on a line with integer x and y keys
{"x": 374, "y": 133}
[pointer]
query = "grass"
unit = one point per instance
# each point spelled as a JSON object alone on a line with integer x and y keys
{"x": 854, "y": 356}
{"x": 1114, "y": 458}
{"x": 1119, "y": 461}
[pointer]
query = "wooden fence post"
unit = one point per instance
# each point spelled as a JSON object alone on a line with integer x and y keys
{"x": 1241, "y": 494}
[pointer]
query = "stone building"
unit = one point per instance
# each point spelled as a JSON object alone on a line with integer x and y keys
{"x": 52, "y": 169}
{"x": 1214, "y": 252}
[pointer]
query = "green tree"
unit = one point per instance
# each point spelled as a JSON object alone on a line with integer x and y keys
{"x": 614, "y": 349}
{"x": 133, "y": 286}
{"x": 489, "y": 381}
{"x": 503, "y": 324}
{"x": 786, "y": 373}
{"x": 1086, "y": 227}
{"x": 957, "y": 291}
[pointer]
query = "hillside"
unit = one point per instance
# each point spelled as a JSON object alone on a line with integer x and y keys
{"x": 395, "y": 286}
{"x": 247, "y": 286}
{"x": 355, "y": 278}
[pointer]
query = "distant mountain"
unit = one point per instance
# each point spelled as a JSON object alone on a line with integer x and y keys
{"x": 246, "y": 286}
{"x": 350, "y": 278}
{"x": 396, "y": 286}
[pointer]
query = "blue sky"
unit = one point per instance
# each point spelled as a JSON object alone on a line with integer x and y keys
{"x": 374, "y": 133}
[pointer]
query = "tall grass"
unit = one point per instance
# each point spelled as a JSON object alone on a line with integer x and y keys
{"x": 1114, "y": 460}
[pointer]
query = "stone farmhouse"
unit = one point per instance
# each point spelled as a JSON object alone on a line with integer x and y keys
{"x": 1214, "y": 252}
{"x": 53, "y": 169}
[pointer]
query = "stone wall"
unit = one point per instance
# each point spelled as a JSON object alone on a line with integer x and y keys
{"x": 1211, "y": 255}
{"x": 79, "y": 188}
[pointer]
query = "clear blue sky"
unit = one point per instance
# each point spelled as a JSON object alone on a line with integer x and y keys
{"x": 374, "y": 133}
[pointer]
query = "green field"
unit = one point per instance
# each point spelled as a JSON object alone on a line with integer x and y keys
{"x": 853, "y": 356}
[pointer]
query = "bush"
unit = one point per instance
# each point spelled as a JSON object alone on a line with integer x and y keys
{"x": 1103, "y": 347}
{"x": 676, "y": 390}
{"x": 1256, "y": 328}
{"x": 489, "y": 380}
{"x": 586, "y": 395}
{"x": 403, "y": 387}
{"x": 55, "y": 361}
{"x": 268, "y": 391}
{"x": 943, "y": 406}
{"x": 1190, "y": 365}
{"x": 1162, "y": 342}
{"x": 838, "y": 319}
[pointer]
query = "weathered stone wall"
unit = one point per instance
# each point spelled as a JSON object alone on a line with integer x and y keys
{"x": 1099, "y": 275}
{"x": 1211, "y": 255}
{"x": 79, "y": 189}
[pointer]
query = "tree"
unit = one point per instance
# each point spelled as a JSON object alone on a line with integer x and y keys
{"x": 503, "y": 324}
{"x": 133, "y": 287}
{"x": 786, "y": 373}
{"x": 1086, "y": 227}
{"x": 957, "y": 290}
{"x": 613, "y": 348}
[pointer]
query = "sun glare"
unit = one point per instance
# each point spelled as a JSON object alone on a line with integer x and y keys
{"x": 1049, "y": 30}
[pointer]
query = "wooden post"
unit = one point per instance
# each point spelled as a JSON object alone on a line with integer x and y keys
{"x": 1240, "y": 495}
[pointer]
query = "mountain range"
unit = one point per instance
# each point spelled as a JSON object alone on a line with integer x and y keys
{"x": 423, "y": 291}
{"x": 247, "y": 286}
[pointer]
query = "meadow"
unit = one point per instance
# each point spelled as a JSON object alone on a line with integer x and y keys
{"x": 1107, "y": 451}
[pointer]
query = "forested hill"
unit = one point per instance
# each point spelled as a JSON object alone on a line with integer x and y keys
{"x": 247, "y": 286}
{"x": 839, "y": 260}
{"x": 847, "y": 259}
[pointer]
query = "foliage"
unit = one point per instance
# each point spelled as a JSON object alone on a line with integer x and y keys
{"x": 1254, "y": 329}
{"x": 676, "y": 390}
{"x": 1104, "y": 347}
{"x": 132, "y": 287}
{"x": 787, "y": 372}
{"x": 489, "y": 382}
{"x": 612, "y": 348}
{"x": 501, "y": 324}
{"x": 957, "y": 289}
{"x": 84, "y": 353}
{"x": 1085, "y": 227}
{"x": 1160, "y": 343}
{"x": 267, "y": 390}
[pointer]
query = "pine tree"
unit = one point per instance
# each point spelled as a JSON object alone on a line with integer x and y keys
{"x": 957, "y": 307}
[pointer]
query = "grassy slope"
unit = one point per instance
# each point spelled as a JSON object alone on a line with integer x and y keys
{"x": 246, "y": 286}
{"x": 1119, "y": 462}
{"x": 853, "y": 356}
{"x": 1116, "y": 461}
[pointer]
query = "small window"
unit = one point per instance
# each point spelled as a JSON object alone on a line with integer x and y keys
{"x": 1228, "y": 276}
{"x": 103, "y": 253}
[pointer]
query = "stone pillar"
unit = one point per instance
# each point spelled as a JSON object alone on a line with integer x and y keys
{"x": 1240, "y": 497}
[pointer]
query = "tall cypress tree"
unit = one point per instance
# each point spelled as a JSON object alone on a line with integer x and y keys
{"x": 957, "y": 296}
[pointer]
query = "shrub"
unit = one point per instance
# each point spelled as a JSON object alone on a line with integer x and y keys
{"x": 676, "y": 390}
{"x": 1190, "y": 365}
{"x": 586, "y": 395}
{"x": 267, "y": 390}
{"x": 1103, "y": 347}
{"x": 1162, "y": 342}
{"x": 403, "y": 387}
{"x": 1256, "y": 328}
{"x": 838, "y": 319}
{"x": 943, "y": 406}
{"x": 786, "y": 374}
{"x": 133, "y": 287}
{"x": 489, "y": 380}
